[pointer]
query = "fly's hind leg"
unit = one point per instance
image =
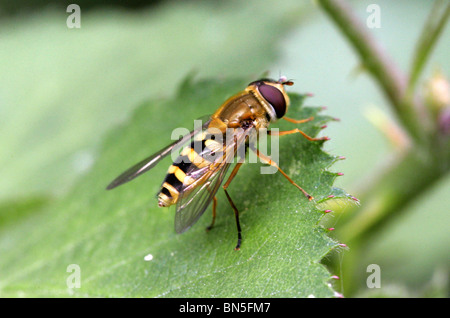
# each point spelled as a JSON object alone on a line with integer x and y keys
{"x": 268, "y": 160}
{"x": 236, "y": 215}
{"x": 236, "y": 212}
{"x": 213, "y": 214}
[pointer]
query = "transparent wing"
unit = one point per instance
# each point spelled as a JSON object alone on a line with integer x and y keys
{"x": 148, "y": 163}
{"x": 193, "y": 203}
{"x": 194, "y": 199}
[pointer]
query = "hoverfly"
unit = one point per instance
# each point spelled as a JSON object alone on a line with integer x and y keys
{"x": 193, "y": 180}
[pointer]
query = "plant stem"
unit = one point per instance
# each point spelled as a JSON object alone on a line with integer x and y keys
{"x": 432, "y": 30}
{"x": 414, "y": 170}
{"x": 430, "y": 158}
{"x": 387, "y": 75}
{"x": 408, "y": 177}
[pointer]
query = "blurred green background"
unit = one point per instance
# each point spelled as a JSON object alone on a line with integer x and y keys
{"x": 62, "y": 90}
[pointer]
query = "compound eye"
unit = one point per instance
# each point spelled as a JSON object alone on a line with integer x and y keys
{"x": 275, "y": 98}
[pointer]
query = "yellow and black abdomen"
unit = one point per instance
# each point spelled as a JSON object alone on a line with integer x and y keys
{"x": 201, "y": 153}
{"x": 208, "y": 146}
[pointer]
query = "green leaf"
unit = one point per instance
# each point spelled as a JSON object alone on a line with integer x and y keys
{"x": 110, "y": 235}
{"x": 56, "y": 105}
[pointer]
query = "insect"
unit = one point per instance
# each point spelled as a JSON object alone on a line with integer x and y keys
{"x": 194, "y": 178}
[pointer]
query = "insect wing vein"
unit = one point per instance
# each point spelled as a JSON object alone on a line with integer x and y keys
{"x": 195, "y": 198}
{"x": 148, "y": 163}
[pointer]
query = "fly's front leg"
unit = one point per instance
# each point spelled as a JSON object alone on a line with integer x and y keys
{"x": 268, "y": 160}
{"x": 298, "y": 121}
{"x": 296, "y": 130}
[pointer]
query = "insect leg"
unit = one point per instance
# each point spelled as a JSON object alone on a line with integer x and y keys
{"x": 236, "y": 212}
{"x": 213, "y": 214}
{"x": 294, "y": 131}
{"x": 232, "y": 175}
{"x": 298, "y": 121}
{"x": 274, "y": 164}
